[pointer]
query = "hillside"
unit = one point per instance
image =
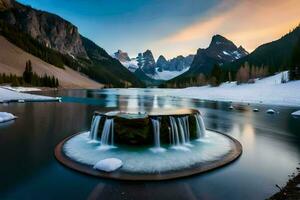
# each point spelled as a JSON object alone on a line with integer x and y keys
{"x": 150, "y": 82}
{"x": 276, "y": 54}
{"x": 58, "y": 42}
{"x": 68, "y": 78}
{"x": 220, "y": 51}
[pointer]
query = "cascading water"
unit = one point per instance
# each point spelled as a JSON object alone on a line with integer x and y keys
{"x": 94, "y": 127}
{"x": 179, "y": 131}
{"x": 200, "y": 126}
{"x": 156, "y": 133}
{"x": 107, "y": 137}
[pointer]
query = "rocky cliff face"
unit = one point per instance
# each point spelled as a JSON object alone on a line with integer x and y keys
{"x": 5, "y": 4}
{"x": 149, "y": 64}
{"x": 178, "y": 63}
{"x": 49, "y": 29}
{"x": 220, "y": 51}
{"x": 162, "y": 63}
{"x": 122, "y": 56}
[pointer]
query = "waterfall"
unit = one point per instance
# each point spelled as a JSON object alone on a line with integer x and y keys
{"x": 174, "y": 132}
{"x": 107, "y": 137}
{"x": 179, "y": 132}
{"x": 156, "y": 133}
{"x": 186, "y": 128}
{"x": 200, "y": 126}
{"x": 94, "y": 127}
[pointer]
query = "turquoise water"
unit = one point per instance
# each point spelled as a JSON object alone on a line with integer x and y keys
{"x": 28, "y": 170}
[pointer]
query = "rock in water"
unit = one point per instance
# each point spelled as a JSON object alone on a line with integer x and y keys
{"x": 271, "y": 111}
{"x": 108, "y": 164}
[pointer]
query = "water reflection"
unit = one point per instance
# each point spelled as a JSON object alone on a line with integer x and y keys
{"x": 29, "y": 169}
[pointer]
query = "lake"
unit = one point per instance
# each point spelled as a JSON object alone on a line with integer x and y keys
{"x": 29, "y": 170}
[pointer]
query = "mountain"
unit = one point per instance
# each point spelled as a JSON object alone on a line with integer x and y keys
{"x": 180, "y": 63}
{"x": 220, "y": 51}
{"x": 147, "y": 62}
{"x": 121, "y": 56}
{"x": 150, "y": 82}
{"x": 50, "y": 30}
{"x": 162, "y": 63}
{"x": 68, "y": 78}
{"x": 58, "y": 42}
{"x": 276, "y": 54}
{"x": 125, "y": 60}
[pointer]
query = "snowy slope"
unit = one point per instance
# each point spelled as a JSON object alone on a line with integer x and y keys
{"x": 130, "y": 65}
{"x": 267, "y": 91}
{"x": 167, "y": 75}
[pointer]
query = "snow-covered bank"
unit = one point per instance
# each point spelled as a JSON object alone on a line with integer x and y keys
{"x": 269, "y": 90}
{"x": 5, "y": 117}
{"x": 7, "y": 95}
{"x": 22, "y": 89}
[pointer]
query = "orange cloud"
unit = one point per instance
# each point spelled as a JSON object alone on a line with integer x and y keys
{"x": 248, "y": 22}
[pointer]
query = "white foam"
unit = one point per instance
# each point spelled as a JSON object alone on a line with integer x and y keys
{"x": 147, "y": 160}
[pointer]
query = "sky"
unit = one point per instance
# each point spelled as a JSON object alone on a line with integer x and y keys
{"x": 175, "y": 27}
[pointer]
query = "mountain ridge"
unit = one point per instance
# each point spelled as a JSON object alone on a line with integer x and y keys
{"x": 62, "y": 43}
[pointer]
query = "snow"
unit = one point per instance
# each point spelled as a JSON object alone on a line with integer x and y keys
{"x": 4, "y": 117}
{"x": 167, "y": 75}
{"x": 270, "y": 111}
{"x": 131, "y": 65}
{"x": 237, "y": 54}
{"x": 226, "y": 53}
{"x": 269, "y": 90}
{"x": 22, "y": 89}
{"x": 10, "y": 95}
{"x": 108, "y": 164}
{"x": 296, "y": 113}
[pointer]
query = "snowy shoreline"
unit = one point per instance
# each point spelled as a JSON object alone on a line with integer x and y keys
{"x": 13, "y": 95}
{"x": 267, "y": 91}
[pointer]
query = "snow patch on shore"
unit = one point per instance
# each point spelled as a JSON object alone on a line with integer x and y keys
{"x": 22, "y": 89}
{"x": 10, "y": 95}
{"x": 268, "y": 90}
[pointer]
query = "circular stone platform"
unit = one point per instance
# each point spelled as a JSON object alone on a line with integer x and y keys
{"x": 213, "y": 151}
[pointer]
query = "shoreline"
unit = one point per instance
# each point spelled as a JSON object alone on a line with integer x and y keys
{"x": 8, "y": 95}
{"x": 291, "y": 191}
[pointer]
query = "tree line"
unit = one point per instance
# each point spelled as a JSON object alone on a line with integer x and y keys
{"x": 245, "y": 74}
{"x": 29, "y": 78}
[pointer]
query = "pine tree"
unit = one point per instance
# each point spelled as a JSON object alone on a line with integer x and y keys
{"x": 27, "y": 74}
{"x": 294, "y": 72}
{"x": 216, "y": 75}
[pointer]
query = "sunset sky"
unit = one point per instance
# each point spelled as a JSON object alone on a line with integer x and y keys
{"x": 175, "y": 27}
